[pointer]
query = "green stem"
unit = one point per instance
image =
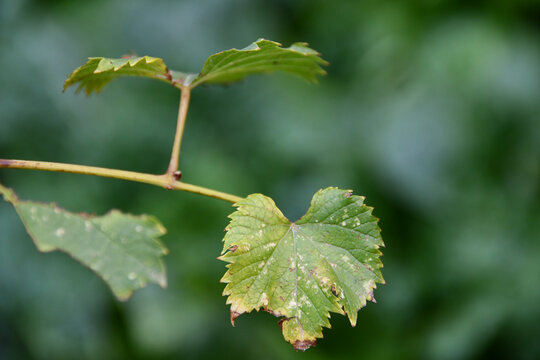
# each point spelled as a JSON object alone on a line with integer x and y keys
{"x": 182, "y": 114}
{"x": 158, "y": 180}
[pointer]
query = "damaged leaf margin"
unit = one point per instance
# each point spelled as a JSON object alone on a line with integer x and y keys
{"x": 328, "y": 261}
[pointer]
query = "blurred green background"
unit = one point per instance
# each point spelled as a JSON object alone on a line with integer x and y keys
{"x": 431, "y": 109}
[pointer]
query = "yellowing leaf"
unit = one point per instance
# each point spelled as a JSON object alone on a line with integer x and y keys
{"x": 328, "y": 261}
{"x": 123, "y": 250}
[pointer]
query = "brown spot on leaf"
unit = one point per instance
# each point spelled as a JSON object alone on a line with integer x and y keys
{"x": 281, "y": 298}
{"x": 234, "y": 316}
{"x": 333, "y": 289}
{"x": 233, "y": 248}
{"x": 304, "y": 344}
{"x": 348, "y": 194}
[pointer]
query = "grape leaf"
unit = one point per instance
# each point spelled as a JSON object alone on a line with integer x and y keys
{"x": 328, "y": 261}
{"x": 122, "y": 249}
{"x": 261, "y": 57}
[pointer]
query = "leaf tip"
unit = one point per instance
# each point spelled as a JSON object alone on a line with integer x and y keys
{"x": 123, "y": 296}
{"x": 8, "y": 194}
{"x": 303, "y": 345}
{"x": 163, "y": 282}
{"x": 234, "y": 316}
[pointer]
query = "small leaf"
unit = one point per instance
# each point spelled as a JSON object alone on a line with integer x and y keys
{"x": 123, "y": 250}
{"x": 99, "y": 71}
{"x": 261, "y": 57}
{"x": 328, "y": 261}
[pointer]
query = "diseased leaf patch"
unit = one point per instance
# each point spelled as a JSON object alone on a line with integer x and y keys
{"x": 328, "y": 261}
{"x": 122, "y": 249}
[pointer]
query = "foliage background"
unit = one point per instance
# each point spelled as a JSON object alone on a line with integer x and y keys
{"x": 430, "y": 109}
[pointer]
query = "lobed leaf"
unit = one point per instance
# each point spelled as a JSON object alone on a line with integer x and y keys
{"x": 122, "y": 249}
{"x": 328, "y": 261}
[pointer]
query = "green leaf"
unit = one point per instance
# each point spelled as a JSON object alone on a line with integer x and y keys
{"x": 123, "y": 250}
{"x": 99, "y": 71}
{"x": 328, "y": 261}
{"x": 261, "y": 57}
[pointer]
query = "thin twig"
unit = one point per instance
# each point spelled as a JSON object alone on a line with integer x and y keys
{"x": 172, "y": 171}
{"x": 158, "y": 180}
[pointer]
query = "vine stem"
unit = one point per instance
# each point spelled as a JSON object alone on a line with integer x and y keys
{"x": 158, "y": 180}
{"x": 181, "y": 122}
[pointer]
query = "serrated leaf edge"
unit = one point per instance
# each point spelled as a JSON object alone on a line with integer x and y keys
{"x": 255, "y": 46}
{"x": 131, "y": 62}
